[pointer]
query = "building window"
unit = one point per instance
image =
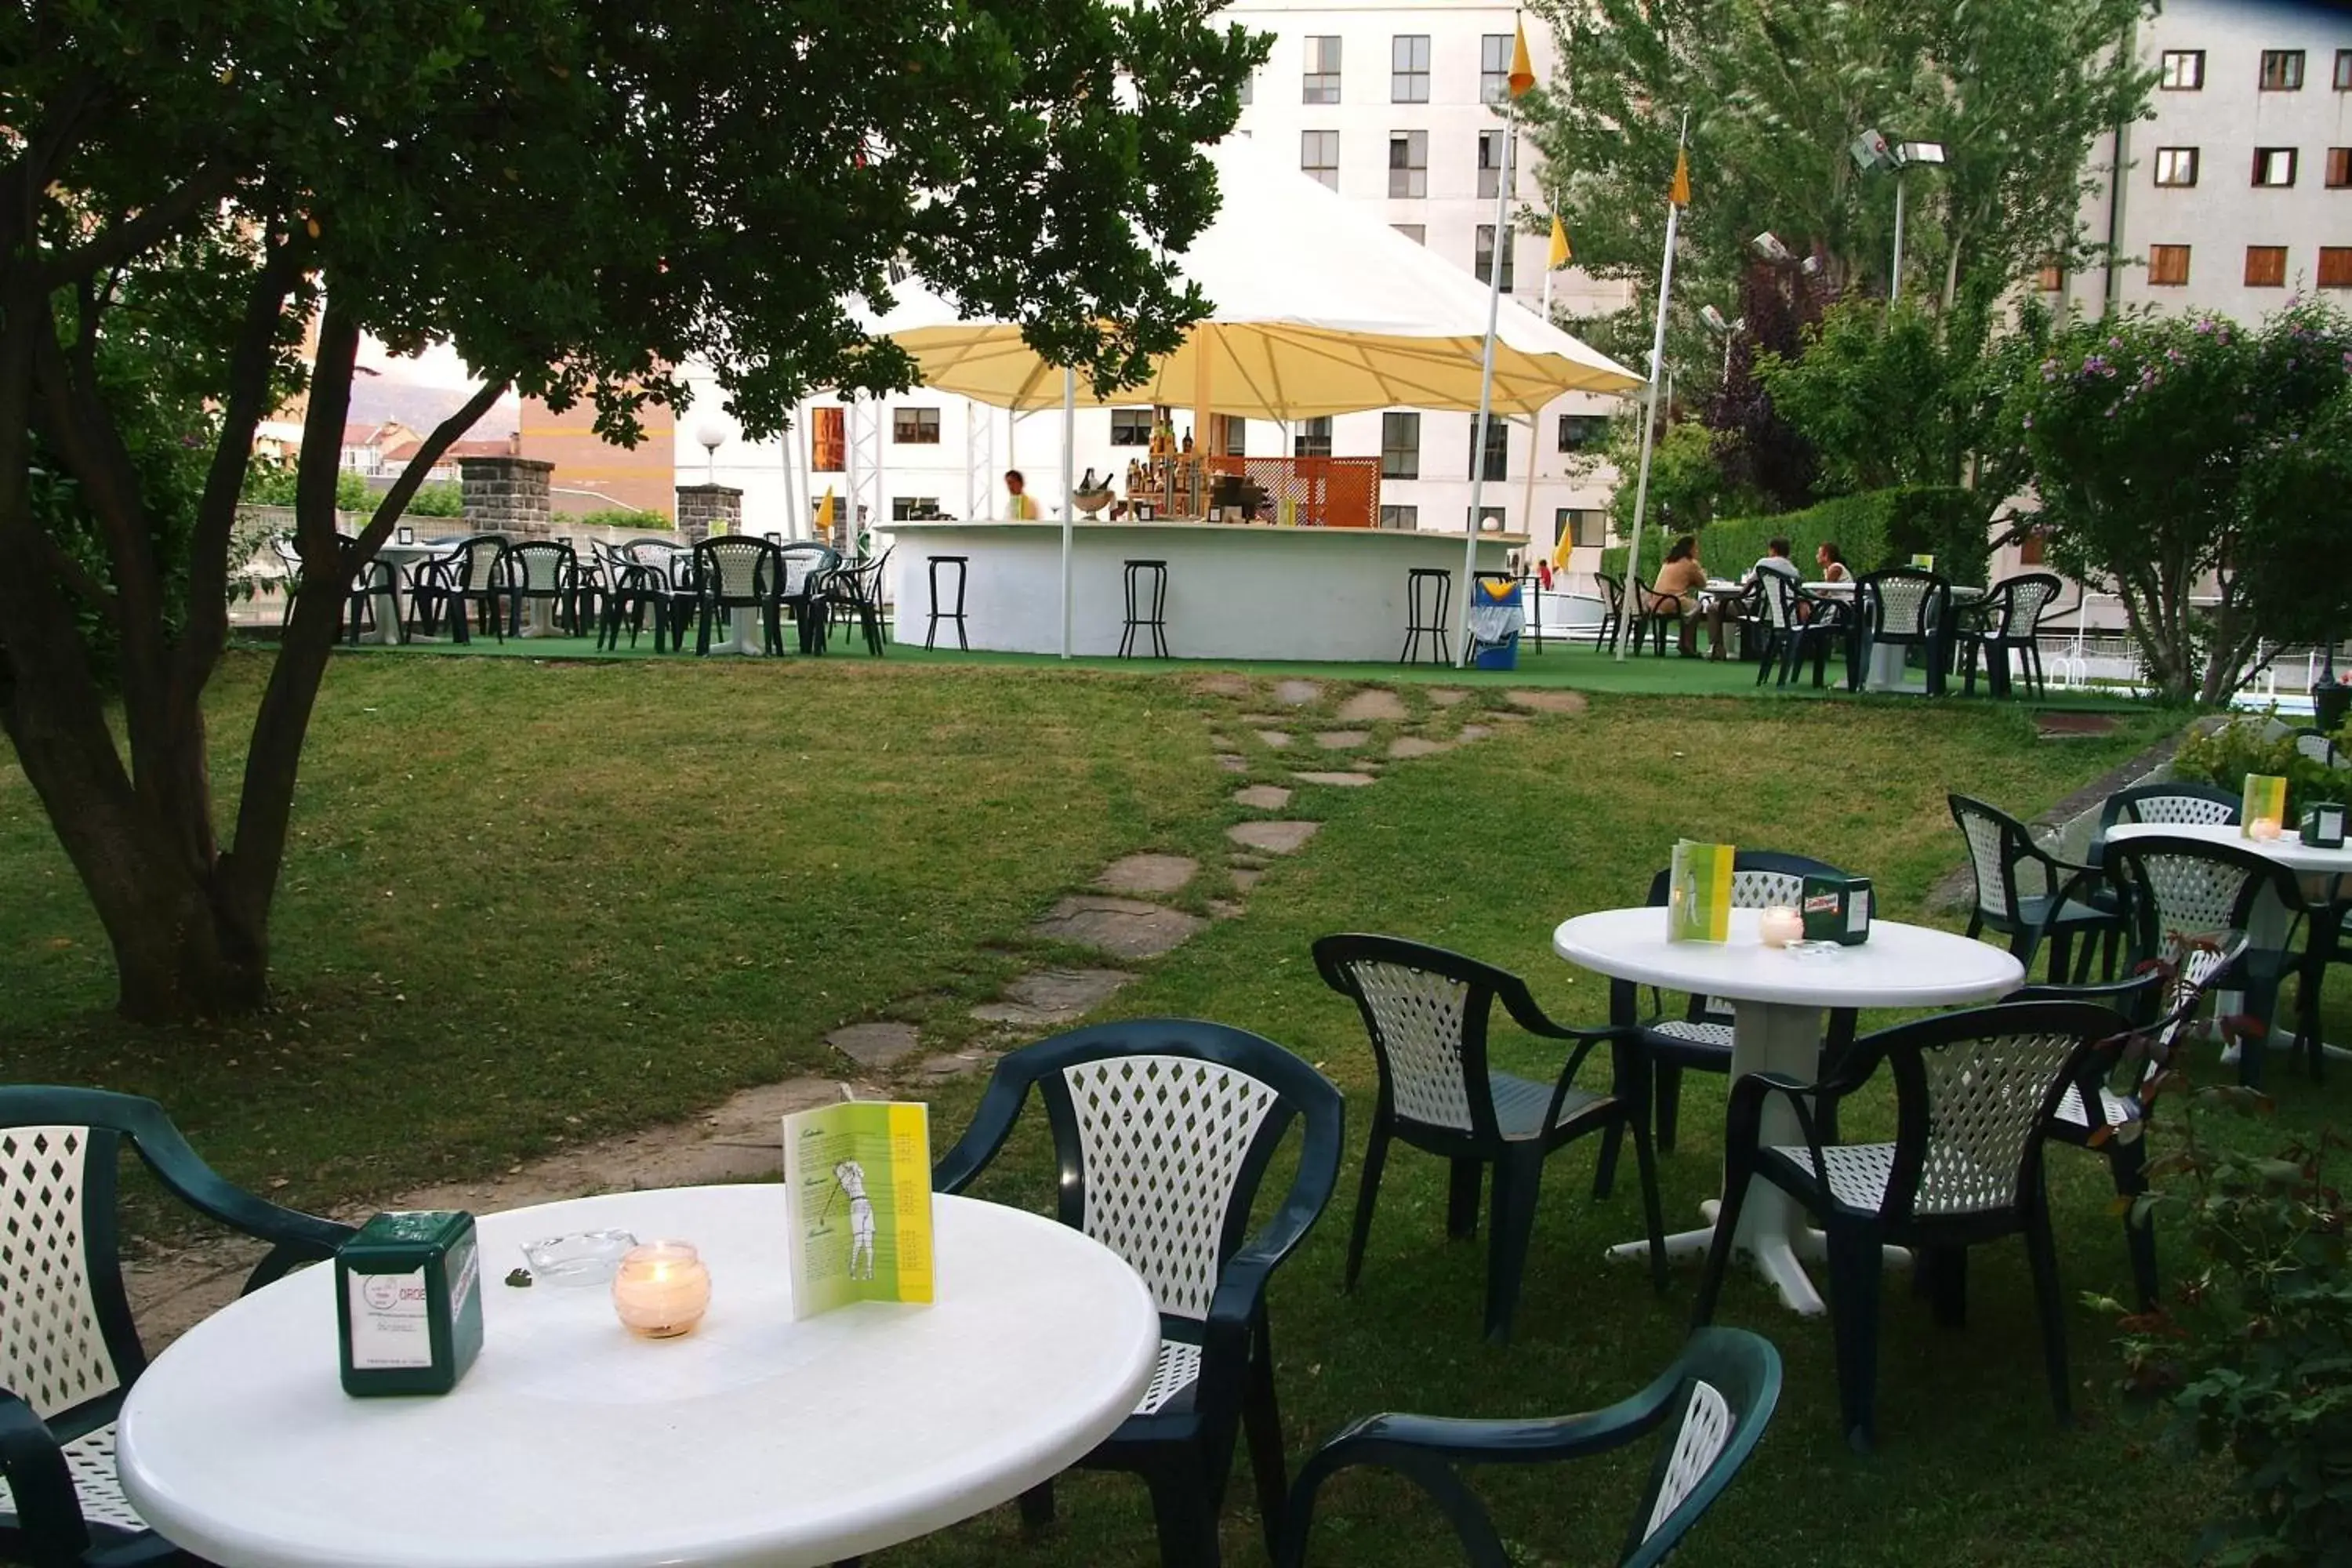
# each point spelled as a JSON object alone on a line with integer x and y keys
{"x": 2176, "y": 165}
{"x": 1415, "y": 232}
{"x": 1404, "y": 517}
{"x": 2266, "y": 266}
{"x": 1499, "y": 450}
{"x": 1318, "y": 156}
{"x": 1399, "y": 445}
{"x": 1490, "y": 164}
{"x": 2335, "y": 267}
{"x": 1408, "y": 68}
{"x": 1312, "y": 438}
{"x": 1228, "y": 435}
{"x": 2181, "y": 71}
{"x": 1408, "y": 162}
{"x": 2339, "y": 168}
{"x": 1493, "y": 68}
{"x": 1482, "y": 262}
{"x": 915, "y": 427}
{"x": 2050, "y": 279}
{"x": 908, "y": 508}
{"x": 2167, "y": 266}
{"x": 828, "y": 440}
{"x": 1322, "y": 80}
{"x": 1130, "y": 426}
{"x": 2032, "y": 550}
{"x": 2282, "y": 71}
{"x": 2344, "y": 70}
{"x": 1583, "y": 432}
{"x": 1490, "y": 519}
{"x": 2274, "y": 166}
{"x": 1584, "y": 527}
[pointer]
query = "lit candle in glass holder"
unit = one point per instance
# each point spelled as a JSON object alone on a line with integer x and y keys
{"x": 1780, "y": 925}
{"x": 661, "y": 1288}
{"x": 2264, "y": 828}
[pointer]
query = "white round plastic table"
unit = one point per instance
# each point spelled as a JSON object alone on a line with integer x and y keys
{"x": 571, "y": 1444}
{"x": 1778, "y": 996}
{"x": 2270, "y": 923}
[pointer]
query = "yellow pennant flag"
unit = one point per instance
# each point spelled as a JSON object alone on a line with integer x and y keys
{"x": 1523, "y": 70}
{"x": 824, "y": 508}
{"x": 1680, "y": 194}
{"x": 1560, "y": 254}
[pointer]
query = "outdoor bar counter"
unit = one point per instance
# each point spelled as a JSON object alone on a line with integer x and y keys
{"x": 1235, "y": 590}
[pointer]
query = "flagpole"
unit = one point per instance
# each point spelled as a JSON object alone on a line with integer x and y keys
{"x": 1486, "y": 373}
{"x": 1628, "y": 615}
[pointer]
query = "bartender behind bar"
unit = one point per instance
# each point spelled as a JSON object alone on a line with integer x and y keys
{"x": 1020, "y": 505}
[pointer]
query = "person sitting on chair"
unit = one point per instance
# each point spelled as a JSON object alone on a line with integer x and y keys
{"x": 1832, "y": 561}
{"x": 1020, "y": 506}
{"x": 1774, "y": 558}
{"x": 1675, "y": 592}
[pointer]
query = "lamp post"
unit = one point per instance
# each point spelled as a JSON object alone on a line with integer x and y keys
{"x": 1726, "y": 329}
{"x": 1872, "y": 151}
{"x": 711, "y": 434}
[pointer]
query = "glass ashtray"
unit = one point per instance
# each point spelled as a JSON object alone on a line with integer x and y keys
{"x": 582, "y": 1257}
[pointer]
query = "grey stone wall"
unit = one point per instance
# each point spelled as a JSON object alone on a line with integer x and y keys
{"x": 508, "y": 495}
{"x": 700, "y": 506}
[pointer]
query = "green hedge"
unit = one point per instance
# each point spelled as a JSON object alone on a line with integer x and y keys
{"x": 1879, "y": 528}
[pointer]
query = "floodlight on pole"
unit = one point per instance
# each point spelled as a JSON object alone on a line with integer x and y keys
{"x": 1767, "y": 245}
{"x": 1872, "y": 151}
{"x": 1726, "y": 329}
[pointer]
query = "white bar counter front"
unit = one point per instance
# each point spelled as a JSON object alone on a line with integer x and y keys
{"x": 1235, "y": 590}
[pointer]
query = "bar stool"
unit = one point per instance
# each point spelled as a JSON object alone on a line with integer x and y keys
{"x": 1422, "y": 619}
{"x": 932, "y": 632}
{"x": 1157, "y": 621}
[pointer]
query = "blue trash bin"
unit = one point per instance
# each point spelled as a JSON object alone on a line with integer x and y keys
{"x": 1497, "y": 620}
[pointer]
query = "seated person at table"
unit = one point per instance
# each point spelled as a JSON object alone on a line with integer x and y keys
{"x": 1675, "y": 590}
{"x": 1020, "y": 506}
{"x": 1774, "y": 558}
{"x": 1832, "y": 561}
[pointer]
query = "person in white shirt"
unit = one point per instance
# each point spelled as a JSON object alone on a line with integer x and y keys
{"x": 1775, "y": 559}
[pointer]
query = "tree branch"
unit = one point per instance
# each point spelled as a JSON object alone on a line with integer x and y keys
{"x": 135, "y": 236}
{"x": 444, "y": 435}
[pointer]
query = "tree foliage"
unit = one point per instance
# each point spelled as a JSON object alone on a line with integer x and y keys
{"x": 2195, "y": 468}
{"x": 582, "y": 197}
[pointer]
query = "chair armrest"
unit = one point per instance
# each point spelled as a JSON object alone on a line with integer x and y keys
{"x": 296, "y": 1238}
{"x": 33, "y": 1463}
{"x": 1428, "y": 1471}
{"x": 1744, "y": 1119}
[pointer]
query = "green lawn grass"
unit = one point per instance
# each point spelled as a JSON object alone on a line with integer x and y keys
{"x": 532, "y": 903}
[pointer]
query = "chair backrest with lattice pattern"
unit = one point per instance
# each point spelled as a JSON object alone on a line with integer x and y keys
{"x": 1724, "y": 1386}
{"x": 2013, "y": 608}
{"x": 64, "y": 1336}
{"x": 1973, "y": 1094}
{"x": 2179, "y": 884}
{"x": 1780, "y": 595}
{"x": 734, "y": 566}
{"x": 1419, "y": 1020}
{"x": 1995, "y": 841}
{"x": 800, "y": 561}
{"x": 1900, "y": 603}
{"x": 475, "y": 562}
{"x": 541, "y": 566}
{"x": 1612, "y": 593}
{"x": 2171, "y": 804}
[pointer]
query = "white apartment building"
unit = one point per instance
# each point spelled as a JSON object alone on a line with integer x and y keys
{"x": 2237, "y": 194}
{"x": 1391, "y": 102}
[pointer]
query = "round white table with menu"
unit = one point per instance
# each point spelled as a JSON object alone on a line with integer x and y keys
{"x": 1778, "y": 996}
{"x": 573, "y": 1444}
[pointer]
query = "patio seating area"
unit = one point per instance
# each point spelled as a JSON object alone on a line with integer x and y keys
{"x": 1497, "y": 1005}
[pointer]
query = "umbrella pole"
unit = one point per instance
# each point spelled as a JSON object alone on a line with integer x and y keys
{"x": 1627, "y": 615}
{"x": 1487, "y": 374}
{"x": 1069, "y": 481}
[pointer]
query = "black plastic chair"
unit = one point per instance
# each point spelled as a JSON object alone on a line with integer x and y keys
{"x": 1163, "y": 1128}
{"x": 2171, "y": 803}
{"x": 1427, "y": 1012}
{"x": 1794, "y": 622}
{"x": 1709, "y": 1408}
{"x": 2009, "y": 619}
{"x": 1612, "y": 609}
{"x": 1423, "y": 619}
{"x": 2107, "y": 1112}
{"x": 70, "y": 1352}
{"x": 808, "y": 568}
{"x": 2071, "y": 900}
{"x": 677, "y": 581}
{"x": 1975, "y": 1093}
{"x": 2172, "y": 885}
{"x": 630, "y": 591}
{"x": 736, "y": 571}
{"x": 856, "y": 592}
{"x": 1903, "y": 606}
{"x": 1655, "y": 618}
{"x": 1700, "y": 1040}
{"x": 467, "y": 577}
{"x": 539, "y": 571}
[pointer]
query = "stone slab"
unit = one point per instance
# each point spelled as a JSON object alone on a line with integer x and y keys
{"x": 874, "y": 1045}
{"x": 1245, "y": 877}
{"x": 1224, "y": 684}
{"x": 1373, "y": 704}
{"x": 1445, "y": 696}
{"x": 1122, "y": 926}
{"x": 1148, "y": 874}
{"x": 1415, "y": 746}
{"x": 1548, "y": 702}
{"x": 1274, "y": 838}
{"x": 1344, "y": 781}
{"x": 1277, "y": 738}
{"x": 1232, "y": 763}
{"x": 1050, "y": 996}
{"x": 1296, "y": 693}
{"x": 1263, "y": 797}
{"x": 1476, "y": 732}
{"x": 1342, "y": 739}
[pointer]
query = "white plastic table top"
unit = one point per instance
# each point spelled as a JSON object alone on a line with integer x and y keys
{"x": 753, "y": 1440}
{"x": 1900, "y": 966}
{"x": 2287, "y": 849}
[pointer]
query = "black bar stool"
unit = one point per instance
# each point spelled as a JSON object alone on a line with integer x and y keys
{"x": 1423, "y": 619}
{"x": 932, "y": 632}
{"x": 1157, "y": 621}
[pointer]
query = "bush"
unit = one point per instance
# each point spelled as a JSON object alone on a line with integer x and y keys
{"x": 627, "y": 520}
{"x": 1882, "y": 528}
{"x": 441, "y": 499}
{"x": 2226, "y": 755}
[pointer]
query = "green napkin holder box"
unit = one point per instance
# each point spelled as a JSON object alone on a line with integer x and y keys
{"x": 408, "y": 1302}
{"x": 1836, "y": 908}
{"x": 2323, "y": 825}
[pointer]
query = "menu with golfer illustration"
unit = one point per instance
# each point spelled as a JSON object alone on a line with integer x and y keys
{"x": 858, "y": 1194}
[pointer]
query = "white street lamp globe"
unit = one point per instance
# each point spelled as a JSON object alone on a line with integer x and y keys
{"x": 712, "y": 434}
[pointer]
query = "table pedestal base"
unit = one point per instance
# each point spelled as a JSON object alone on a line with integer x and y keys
{"x": 1779, "y": 1258}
